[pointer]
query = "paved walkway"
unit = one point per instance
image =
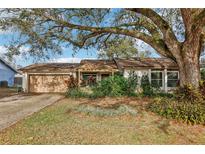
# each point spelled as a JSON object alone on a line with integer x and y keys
{"x": 17, "y": 107}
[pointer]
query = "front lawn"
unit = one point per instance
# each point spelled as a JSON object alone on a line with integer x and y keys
{"x": 67, "y": 122}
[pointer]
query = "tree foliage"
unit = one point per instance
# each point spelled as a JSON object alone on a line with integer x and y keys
{"x": 177, "y": 34}
{"x": 44, "y": 30}
{"x": 50, "y": 29}
{"x": 120, "y": 48}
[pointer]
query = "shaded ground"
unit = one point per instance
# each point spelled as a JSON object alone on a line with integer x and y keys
{"x": 17, "y": 107}
{"x": 5, "y": 92}
{"x": 61, "y": 124}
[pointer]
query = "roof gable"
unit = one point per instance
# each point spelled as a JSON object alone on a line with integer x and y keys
{"x": 8, "y": 65}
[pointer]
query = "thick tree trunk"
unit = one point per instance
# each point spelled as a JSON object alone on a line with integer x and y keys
{"x": 189, "y": 64}
{"x": 190, "y": 49}
{"x": 189, "y": 71}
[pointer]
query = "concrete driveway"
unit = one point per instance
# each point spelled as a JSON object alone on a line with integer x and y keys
{"x": 17, "y": 107}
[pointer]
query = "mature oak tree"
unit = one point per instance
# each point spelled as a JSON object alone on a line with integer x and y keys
{"x": 122, "y": 48}
{"x": 119, "y": 48}
{"x": 177, "y": 34}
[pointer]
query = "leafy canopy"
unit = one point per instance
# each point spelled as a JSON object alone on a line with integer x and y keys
{"x": 47, "y": 31}
{"x": 120, "y": 48}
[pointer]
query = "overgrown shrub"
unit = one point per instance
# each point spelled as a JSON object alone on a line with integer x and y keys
{"x": 115, "y": 86}
{"x": 203, "y": 74}
{"x": 187, "y": 104}
{"x": 76, "y": 93}
{"x": 131, "y": 85}
{"x": 166, "y": 95}
{"x": 111, "y": 86}
{"x": 202, "y": 88}
{"x": 190, "y": 112}
{"x": 148, "y": 90}
{"x": 189, "y": 93}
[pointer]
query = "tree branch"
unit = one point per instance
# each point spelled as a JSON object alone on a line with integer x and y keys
{"x": 169, "y": 36}
{"x": 187, "y": 20}
{"x": 82, "y": 42}
{"x": 146, "y": 24}
{"x": 157, "y": 44}
{"x": 200, "y": 18}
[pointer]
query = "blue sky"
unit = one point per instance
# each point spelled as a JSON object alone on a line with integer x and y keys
{"x": 67, "y": 54}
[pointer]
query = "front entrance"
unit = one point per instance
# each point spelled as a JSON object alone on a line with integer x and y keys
{"x": 89, "y": 79}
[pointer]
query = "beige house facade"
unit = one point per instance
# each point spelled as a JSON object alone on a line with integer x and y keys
{"x": 57, "y": 77}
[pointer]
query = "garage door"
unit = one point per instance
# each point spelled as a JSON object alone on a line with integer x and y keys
{"x": 48, "y": 83}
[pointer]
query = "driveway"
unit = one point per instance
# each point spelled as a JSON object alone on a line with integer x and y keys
{"x": 17, "y": 107}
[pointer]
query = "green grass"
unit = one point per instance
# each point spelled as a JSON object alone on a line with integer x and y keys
{"x": 62, "y": 124}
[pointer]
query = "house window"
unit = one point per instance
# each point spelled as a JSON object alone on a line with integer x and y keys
{"x": 172, "y": 78}
{"x": 89, "y": 79}
{"x": 103, "y": 76}
{"x": 156, "y": 78}
{"x": 132, "y": 73}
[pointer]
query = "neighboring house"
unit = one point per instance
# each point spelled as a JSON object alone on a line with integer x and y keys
{"x": 54, "y": 77}
{"x": 7, "y": 72}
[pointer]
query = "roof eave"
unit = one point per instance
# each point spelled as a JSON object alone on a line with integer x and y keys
{"x": 8, "y": 65}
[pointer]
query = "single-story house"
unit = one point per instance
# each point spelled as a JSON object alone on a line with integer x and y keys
{"x": 54, "y": 77}
{"x": 161, "y": 71}
{"x": 7, "y": 72}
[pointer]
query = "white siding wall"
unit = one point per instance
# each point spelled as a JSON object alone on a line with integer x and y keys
{"x": 139, "y": 74}
{"x": 25, "y": 82}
